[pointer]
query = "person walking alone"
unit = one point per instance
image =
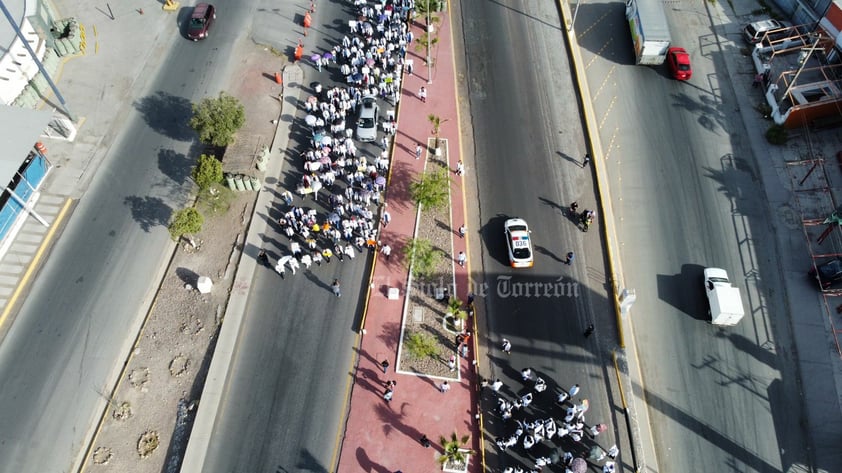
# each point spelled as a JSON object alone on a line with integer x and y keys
{"x": 418, "y": 150}
{"x": 586, "y": 160}
{"x": 336, "y": 288}
{"x": 387, "y": 251}
{"x": 569, "y": 258}
{"x": 507, "y": 346}
{"x": 422, "y": 94}
{"x": 461, "y": 258}
{"x": 589, "y": 331}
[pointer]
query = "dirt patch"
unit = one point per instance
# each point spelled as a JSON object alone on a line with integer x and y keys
{"x": 425, "y": 314}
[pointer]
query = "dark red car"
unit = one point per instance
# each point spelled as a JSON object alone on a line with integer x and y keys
{"x": 201, "y": 21}
{"x": 678, "y": 62}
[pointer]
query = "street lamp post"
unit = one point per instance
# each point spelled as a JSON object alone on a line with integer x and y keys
{"x": 429, "y": 40}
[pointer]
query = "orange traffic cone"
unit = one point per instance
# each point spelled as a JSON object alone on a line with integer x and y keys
{"x": 299, "y": 51}
{"x": 278, "y": 79}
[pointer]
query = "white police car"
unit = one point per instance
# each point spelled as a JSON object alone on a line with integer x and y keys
{"x": 518, "y": 242}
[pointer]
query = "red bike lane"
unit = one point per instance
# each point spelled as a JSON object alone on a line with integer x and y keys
{"x": 385, "y": 436}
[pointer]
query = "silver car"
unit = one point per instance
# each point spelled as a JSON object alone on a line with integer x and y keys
{"x": 367, "y": 122}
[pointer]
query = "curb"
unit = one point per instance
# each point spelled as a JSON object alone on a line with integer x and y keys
{"x": 612, "y": 253}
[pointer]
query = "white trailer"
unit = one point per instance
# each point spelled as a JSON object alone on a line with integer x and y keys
{"x": 726, "y": 305}
{"x": 650, "y": 31}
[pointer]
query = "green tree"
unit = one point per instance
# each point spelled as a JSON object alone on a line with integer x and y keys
{"x": 454, "y": 449}
{"x": 422, "y": 256}
{"x": 422, "y": 345}
{"x": 217, "y": 119}
{"x": 432, "y": 189}
{"x": 207, "y": 172}
{"x": 186, "y": 222}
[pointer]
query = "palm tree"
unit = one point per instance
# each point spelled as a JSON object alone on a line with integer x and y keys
{"x": 437, "y": 122}
{"x": 455, "y": 453}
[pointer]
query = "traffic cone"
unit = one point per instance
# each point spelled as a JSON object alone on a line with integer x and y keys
{"x": 299, "y": 51}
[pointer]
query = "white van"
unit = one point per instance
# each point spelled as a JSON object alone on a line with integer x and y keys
{"x": 726, "y": 305}
{"x": 753, "y": 32}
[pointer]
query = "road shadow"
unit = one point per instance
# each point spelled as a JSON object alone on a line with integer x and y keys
{"x": 685, "y": 291}
{"x": 167, "y": 114}
{"x": 546, "y": 252}
{"x": 174, "y": 165}
{"x": 569, "y": 158}
{"x": 148, "y": 211}
{"x": 494, "y": 240}
{"x": 604, "y": 24}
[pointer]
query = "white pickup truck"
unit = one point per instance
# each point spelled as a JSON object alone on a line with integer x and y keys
{"x": 726, "y": 305}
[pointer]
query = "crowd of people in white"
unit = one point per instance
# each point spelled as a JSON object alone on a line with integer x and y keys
{"x": 559, "y": 435}
{"x": 372, "y": 60}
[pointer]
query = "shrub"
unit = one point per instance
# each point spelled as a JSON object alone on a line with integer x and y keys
{"x": 422, "y": 345}
{"x": 422, "y": 257}
{"x": 432, "y": 189}
{"x": 776, "y": 135}
{"x": 185, "y": 222}
{"x": 208, "y": 171}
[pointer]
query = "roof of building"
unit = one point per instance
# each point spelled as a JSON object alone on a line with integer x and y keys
{"x": 20, "y": 130}
{"x": 17, "y": 8}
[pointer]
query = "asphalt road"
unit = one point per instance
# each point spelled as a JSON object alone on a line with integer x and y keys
{"x": 686, "y": 196}
{"x": 287, "y": 389}
{"x": 63, "y": 352}
{"x": 529, "y": 147}
{"x": 286, "y": 396}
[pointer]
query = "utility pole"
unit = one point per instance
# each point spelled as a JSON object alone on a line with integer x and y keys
{"x": 429, "y": 41}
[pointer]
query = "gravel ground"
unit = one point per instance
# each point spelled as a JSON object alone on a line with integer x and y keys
{"x": 148, "y": 421}
{"x": 434, "y": 226}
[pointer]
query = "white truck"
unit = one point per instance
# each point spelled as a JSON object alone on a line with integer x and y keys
{"x": 726, "y": 305}
{"x": 649, "y": 31}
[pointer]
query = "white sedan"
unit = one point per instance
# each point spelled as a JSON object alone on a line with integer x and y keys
{"x": 518, "y": 243}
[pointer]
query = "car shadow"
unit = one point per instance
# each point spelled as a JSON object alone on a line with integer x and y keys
{"x": 494, "y": 240}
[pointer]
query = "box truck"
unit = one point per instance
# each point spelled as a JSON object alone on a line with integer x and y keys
{"x": 726, "y": 305}
{"x": 650, "y": 32}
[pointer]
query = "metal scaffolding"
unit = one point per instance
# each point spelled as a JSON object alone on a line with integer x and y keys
{"x": 815, "y": 203}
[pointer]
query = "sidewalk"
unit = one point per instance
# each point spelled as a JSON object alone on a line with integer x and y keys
{"x": 383, "y": 436}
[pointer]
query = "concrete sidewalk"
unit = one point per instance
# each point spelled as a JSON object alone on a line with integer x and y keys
{"x": 384, "y": 436}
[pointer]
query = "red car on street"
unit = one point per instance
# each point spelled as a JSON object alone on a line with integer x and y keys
{"x": 678, "y": 62}
{"x": 201, "y": 21}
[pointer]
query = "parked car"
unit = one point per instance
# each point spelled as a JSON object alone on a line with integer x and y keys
{"x": 201, "y": 21}
{"x": 367, "y": 122}
{"x": 518, "y": 243}
{"x": 753, "y": 32}
{"x": 828, "y": 274}
{"x": 678, "y": 62}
